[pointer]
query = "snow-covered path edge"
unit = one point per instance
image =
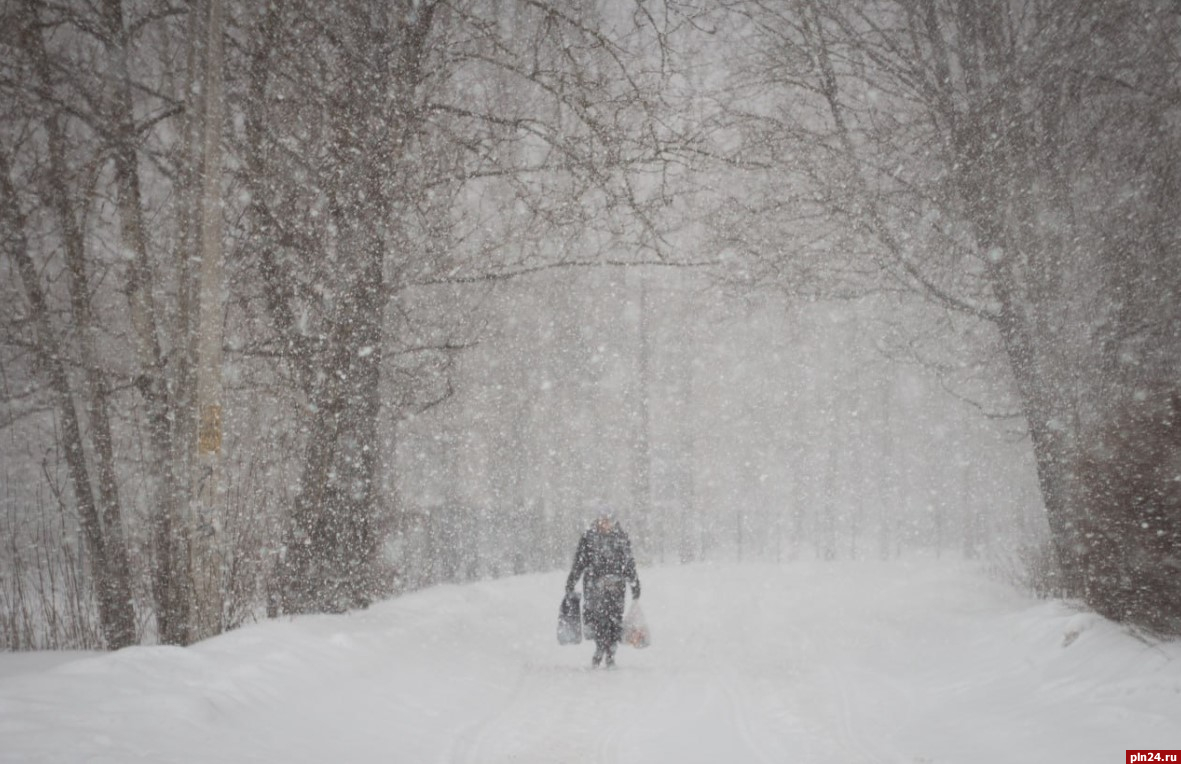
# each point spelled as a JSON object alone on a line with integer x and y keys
{"x": 911, "y": 661}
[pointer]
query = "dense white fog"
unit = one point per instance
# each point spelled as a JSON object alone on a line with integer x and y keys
{"x": 772, "y": 430}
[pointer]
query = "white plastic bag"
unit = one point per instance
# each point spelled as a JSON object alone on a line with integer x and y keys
{"x": 635, "y": 627}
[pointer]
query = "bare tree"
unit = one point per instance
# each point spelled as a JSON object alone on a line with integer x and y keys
{"x": 430, "y": 144}
{"x": 100, "y": 516}
{"x": 115, "y": 112}
{"x": 46, "y": 86}
{"x": 988, "y": 157}
{"x": 354, "y": 168}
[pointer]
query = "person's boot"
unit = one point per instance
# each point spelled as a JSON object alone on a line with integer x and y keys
{"x": 611, "y": 657}
{"x": 595, "y": 661}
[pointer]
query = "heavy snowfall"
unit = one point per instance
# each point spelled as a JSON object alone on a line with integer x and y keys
{"x": 327, "y": 327}
{"x": 917, "y": 661}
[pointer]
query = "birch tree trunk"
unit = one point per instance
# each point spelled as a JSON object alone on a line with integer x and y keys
{"x": 172, "y": 583}
{"x": 205, "y": 515}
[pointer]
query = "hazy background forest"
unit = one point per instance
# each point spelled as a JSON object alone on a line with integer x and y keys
{"x": 306, "y": 304}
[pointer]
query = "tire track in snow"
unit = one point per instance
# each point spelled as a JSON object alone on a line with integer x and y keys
{"x": 835, "y": 736}
{"x": 467, "y": 743}
{"x": 534, "y": 723}
{"x": 767, "y": 703}
{"x": 851, "y": 741}
{"x": 741, "y": 710}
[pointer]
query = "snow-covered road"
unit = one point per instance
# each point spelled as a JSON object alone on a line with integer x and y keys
{"x": 909, "y": 662}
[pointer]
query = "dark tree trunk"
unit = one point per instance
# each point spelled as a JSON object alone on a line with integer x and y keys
{"x": 1129, "y": 542}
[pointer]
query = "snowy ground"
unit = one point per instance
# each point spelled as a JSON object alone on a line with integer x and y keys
{"x": 804, "y": 663}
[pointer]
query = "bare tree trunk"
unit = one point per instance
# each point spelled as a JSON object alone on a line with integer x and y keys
{"x": 103, "y": 532}
{"x": 642, "y": 449}
{"x": 205, "y": 526}
{"x": 113, "y": 575}
{"x": 1049, "y": 449}
{"x": 331, "y": 542}
{"x": 172, "y": 584}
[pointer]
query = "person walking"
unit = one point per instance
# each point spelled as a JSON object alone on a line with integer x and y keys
{"x": 605, "y": 563}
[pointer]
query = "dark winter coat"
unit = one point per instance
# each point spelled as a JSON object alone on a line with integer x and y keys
{"x": 605, "y": 559}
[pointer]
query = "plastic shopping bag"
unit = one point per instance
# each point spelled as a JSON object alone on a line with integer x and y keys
{"x": 635, "y": 627}
{"x": 570, "y": 620}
